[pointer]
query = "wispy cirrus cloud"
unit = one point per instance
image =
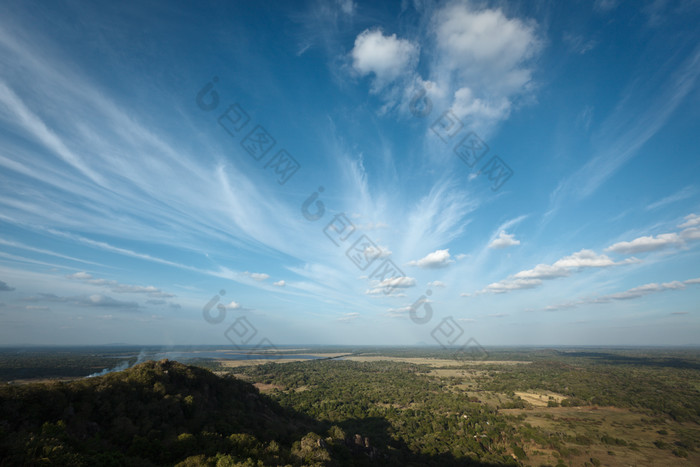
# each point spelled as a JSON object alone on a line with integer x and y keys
{"x": 641, "y": 113}
{"x": 680, "y": 195}
{"x": 348, "y": 317}
{"x": 117, "y": 287}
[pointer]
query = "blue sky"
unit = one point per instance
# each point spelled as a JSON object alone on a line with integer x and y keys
{"x": 350, "y": 173}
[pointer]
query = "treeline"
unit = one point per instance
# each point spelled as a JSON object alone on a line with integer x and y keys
{"x": 660, "y": 390}
{"x": 397, "y": 404}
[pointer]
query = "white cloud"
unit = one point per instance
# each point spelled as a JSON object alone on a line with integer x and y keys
{"x": 487, "y": 50}
{"x": 378, "y": 252}
{"x": 233, "y": 306}
{"x": 691, "y": 220}
{"x": 563, "y": 267}
{"x": 630, "y": 294}
{"x": 400, "y": 312}
{"x": 652, "y": 243}
{"x": 685, "y": 193}
{"x": 644, "y": 244}
{"x": 117, "y": 287}
{"x": 691, "y": 234}
{"x": 436, "y": 259}
{"x": 640, "y": 291}
{"x": 603, "y": 6}
{"x": 80, "y": 276}
{"x": 585, "y": 259}
{"x": 258, "y": 276}
{"x": 466, "y": 104}
{"x": 280, "y": 283}
{"x": 386, "y": 56}
{"x": 150, "y": 290}
{"x": 373, "y": 226}
{"x": 402, "y": 282}
{"x": 579, "y": 44}
{"x": 100, "y": 300}
{"x": 349, "y": 317}
{"x": 437, "y": 284}
{"x": 346, "y": 6}
{"x": 508, "y": 285}
{"x": 387, "y": 285}
{"x": 504, "y": 240}
{"x": 543, "y": 271}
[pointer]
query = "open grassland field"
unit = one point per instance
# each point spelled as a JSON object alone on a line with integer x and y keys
{"x": 516, "y": 407}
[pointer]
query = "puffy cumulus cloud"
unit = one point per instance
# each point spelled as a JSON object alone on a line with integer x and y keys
{"x": 436, "y": 259}
{"x": 279, "y": 283}
{"x": 387, "y": 57}
{"x": 5, "y": 288}
{"x": 543, "y": 271}
{"x": 645, "y": 244}
{"x": 466, "y": 104}
{"x": 489, "y": 51}
{"x": 508, "y": 285}
{"x": 584, "y": 259}
{"x": 258, "y": 276}
{"x": 439, "y": 284}
{"x": 691, "y": 220}
{"x": 233, "y": 305}
{"x": 690, "y": 232}
{"x": 531, "y": 278}
{"x": 504, "y": 240}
